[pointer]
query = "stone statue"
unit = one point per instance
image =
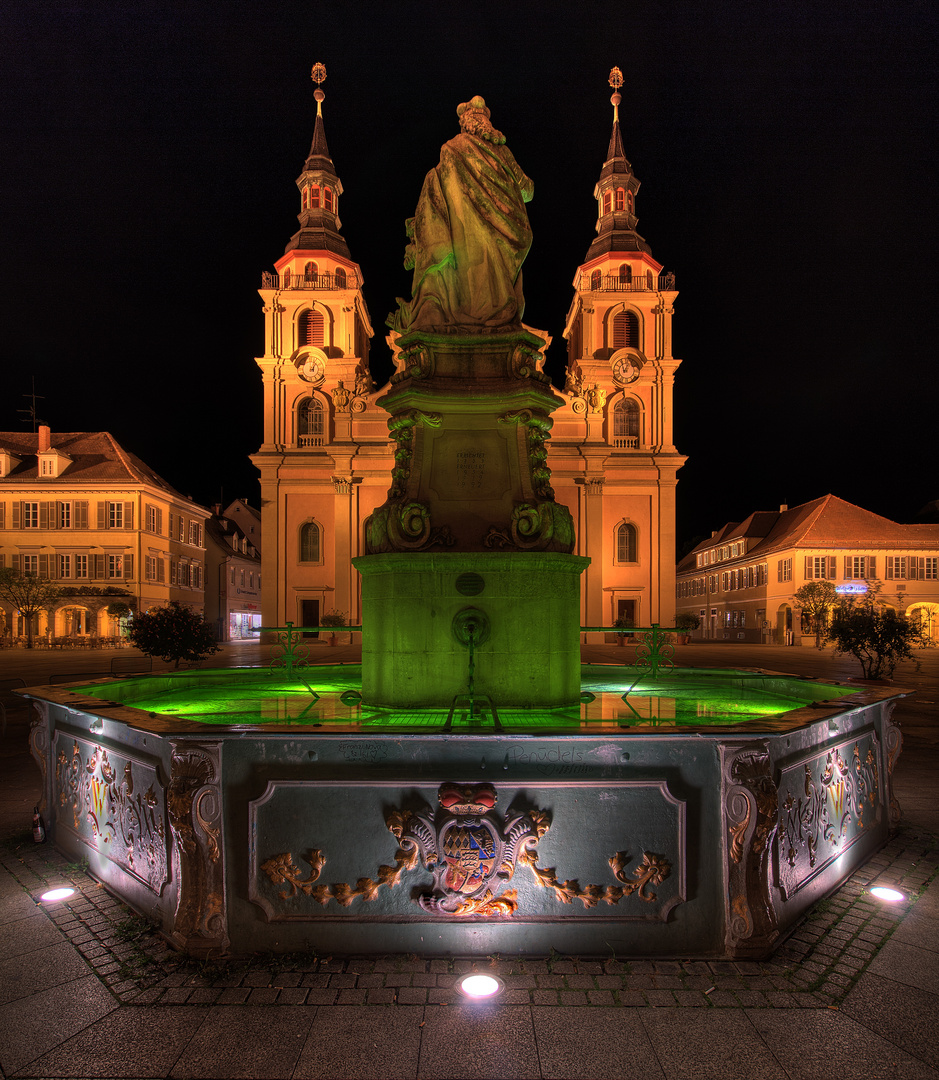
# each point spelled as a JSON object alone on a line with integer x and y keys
{"x": 596, "y": 398}
{"x": 469, "y": 235}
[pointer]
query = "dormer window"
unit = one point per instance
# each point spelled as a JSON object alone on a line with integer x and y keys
{"x": 8, "y": 462}
{"x": 52, "y": 463}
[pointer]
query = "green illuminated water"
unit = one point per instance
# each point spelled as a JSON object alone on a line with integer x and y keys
{"x": 255, "y": 697}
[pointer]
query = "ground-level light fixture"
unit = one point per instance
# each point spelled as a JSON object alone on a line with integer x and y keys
{"x": 480, "y": 987}
{"x": 885, "y": 892}
{"x": 53, "y": 896}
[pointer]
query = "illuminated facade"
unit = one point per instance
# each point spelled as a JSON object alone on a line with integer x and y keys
{"x": 80, "y": 510}
{"x": 326, "y": 460}
{"x": 233, "y": 576}
{"x": 742, "y": 582}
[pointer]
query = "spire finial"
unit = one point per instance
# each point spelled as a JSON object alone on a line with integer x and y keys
{"x": 318, "y": 75}
{"x": 616, "y": 81}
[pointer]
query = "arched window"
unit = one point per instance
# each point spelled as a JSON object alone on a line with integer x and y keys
{"x": 340, "y": 278}
{"x": 649, "y": 280}
{"x": 328, "y": 198}
{"x": 607, "y": 202}
{"x": 310, "y": 272}
{"x": 286, "y": 279}
{"x": 595, "y": 279}
{"x": 310, "y": 328}
{"x": 626, "y": 422}
{"x": 620, "y": 199}
{"x": 625, "y": 274}
{"x": 314, "y": 197}
{"x": 625, "y": 331}
{"x": 310, "y": 542}
{"x": 627, "y": 543}
{"x": 311, "y": 422}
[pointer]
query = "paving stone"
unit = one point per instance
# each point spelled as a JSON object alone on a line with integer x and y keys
{"x": 176, "y": 996}
{"x": 397, "y": 978}
{"x": 690, "y": 998}
{"x": 609, "y": 982}
{"x": 379, "y": 995}
{"x": 660, "y": 998}
{"x": 367, "y": 982}
{"x": 549, "y": 982}
{"x": 427, "y": 978}
{"x": 315, "y": 981}
{"x": 342, "y": 981}
{"x": 412, "y": 995}
{"x": 581, "y": 982}
{"x": 668, "y": 982}
{"x": 723, "y": 999}
{"x": 326, "y": 997}
{"x": 511, "y": 997}
{"x": 564, "y": 967}
{"x": 234, "y": 995}
{"x": 600, "y": 997}
{"x": 257, "y": 979}
{"x": 289, "y": 978}
{"x": 205, "y": 995}
{"x": 544, "y": 997}
{"x": 440, "y": 967}
{"x": 751, "y": 999}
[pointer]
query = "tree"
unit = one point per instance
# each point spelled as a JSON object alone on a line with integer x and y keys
{"x": 817, "y": 600}
{"x": 29, "y": 594}
{"x": 174, "y": 632}
{"x": 877, "y": 636}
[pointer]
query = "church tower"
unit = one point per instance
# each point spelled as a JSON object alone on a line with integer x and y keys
{"x": 324, "y": 439}
{"x": 612, "y": 456}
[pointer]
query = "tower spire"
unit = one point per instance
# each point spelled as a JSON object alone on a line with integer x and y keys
{"x": 616, "y": 191}
{"x": 320, "y": 188}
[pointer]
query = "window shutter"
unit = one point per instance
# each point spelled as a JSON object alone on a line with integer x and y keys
{"x": 161, "y": 570}
{"x": 99, "y": 566}
{"x": 3, "y": 508}
{"x": 102, "y": 515}
{"x": 128, "y": 567}
{"x": 80, "y": 515}
{"x": 44, "y": 515}
{"x": 159, "y": 521}
{"x": 832, "y": 571}
{"x": 128, "y": 515}
{"x": 15, "y": 563}
{"x": 809, "y": 566}
{"x": 44, "y": 566}
{"x": 17, "y": 515}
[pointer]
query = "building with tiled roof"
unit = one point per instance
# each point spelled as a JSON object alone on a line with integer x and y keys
{"x": 79, "y": 509}
{"x": 742, "y": 581}
{"x": 233, "y": 573}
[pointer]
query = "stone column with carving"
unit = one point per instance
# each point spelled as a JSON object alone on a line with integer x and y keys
{"x": 751, "y": 812}
{"x": 194, "y": 801}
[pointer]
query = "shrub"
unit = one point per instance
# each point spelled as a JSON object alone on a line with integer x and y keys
{"x": 174, "y": 632}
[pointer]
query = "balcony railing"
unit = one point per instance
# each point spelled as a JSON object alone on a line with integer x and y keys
{"x": 311, "y": 440}
{"x": 647, "y": 282}
{"x": 626, "y": 442}
{"x": 306, "y": 282}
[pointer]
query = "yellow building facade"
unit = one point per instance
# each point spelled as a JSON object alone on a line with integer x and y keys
{"x": 80, "y": 510}
{"x": 326, "y": 460}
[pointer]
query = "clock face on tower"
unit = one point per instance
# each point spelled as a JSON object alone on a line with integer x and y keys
{"x": 311, "y": 369}
{"x": 625, "y": 370}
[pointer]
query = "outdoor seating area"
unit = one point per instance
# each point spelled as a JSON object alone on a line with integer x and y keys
{"x": 76, "y": 641}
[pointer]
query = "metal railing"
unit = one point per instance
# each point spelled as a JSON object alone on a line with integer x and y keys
{"x": 654, "y": 649}
{"x": 640, "y": 282}
{"x": 306, "y": 282}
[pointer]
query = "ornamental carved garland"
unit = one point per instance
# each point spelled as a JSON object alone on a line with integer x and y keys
{"x": 470, "y": 851}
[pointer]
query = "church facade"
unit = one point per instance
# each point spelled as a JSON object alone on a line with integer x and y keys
{"x": 326, "y": 460}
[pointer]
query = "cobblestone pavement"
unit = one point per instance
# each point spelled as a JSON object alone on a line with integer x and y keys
{"x": 817, "y": 966}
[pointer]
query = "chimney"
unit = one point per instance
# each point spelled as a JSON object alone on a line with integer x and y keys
{"x": 45, "y": 437}
{"x": 783, "y": 507}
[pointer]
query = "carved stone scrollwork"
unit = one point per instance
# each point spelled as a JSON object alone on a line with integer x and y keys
{"x": 526, "y": 363}
{"x": 194, "y": 801}
{"x": 751, "y": 804}
{"x": 543, "y": 526}
{"x": 404, "y": 526}
{"x": 893, "y": 743}
{"x": 537, "y": 429}
{"x": 401, "y": 429}
{"x": 39, "y": 748}
{"x": 416, "y": 362}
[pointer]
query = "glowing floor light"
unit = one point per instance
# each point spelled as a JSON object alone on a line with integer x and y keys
{"x": 882, "y": 892}
{"x": 54, "y": 895}
{"x": 480, "y": 987}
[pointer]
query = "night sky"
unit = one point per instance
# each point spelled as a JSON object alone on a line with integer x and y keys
{"x": 786, "y": 151}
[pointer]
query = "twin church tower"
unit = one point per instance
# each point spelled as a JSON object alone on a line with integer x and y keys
{"x": 326, "y": 460}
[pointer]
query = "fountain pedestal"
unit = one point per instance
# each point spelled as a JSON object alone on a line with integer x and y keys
{"x": 470, "y": 522}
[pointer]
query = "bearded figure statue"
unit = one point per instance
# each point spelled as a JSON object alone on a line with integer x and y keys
{"x": 469, "y": 235}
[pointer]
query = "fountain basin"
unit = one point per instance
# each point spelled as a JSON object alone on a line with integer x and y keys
{"x": 641, "y": 827}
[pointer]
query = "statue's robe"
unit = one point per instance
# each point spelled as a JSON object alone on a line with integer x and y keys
{"x": 470, "y": 237}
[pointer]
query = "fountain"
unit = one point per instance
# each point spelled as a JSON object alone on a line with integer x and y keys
{"x": 471, "y": 789}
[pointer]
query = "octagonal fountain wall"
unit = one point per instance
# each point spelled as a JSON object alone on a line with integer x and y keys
{"x": 610, "y": 828}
